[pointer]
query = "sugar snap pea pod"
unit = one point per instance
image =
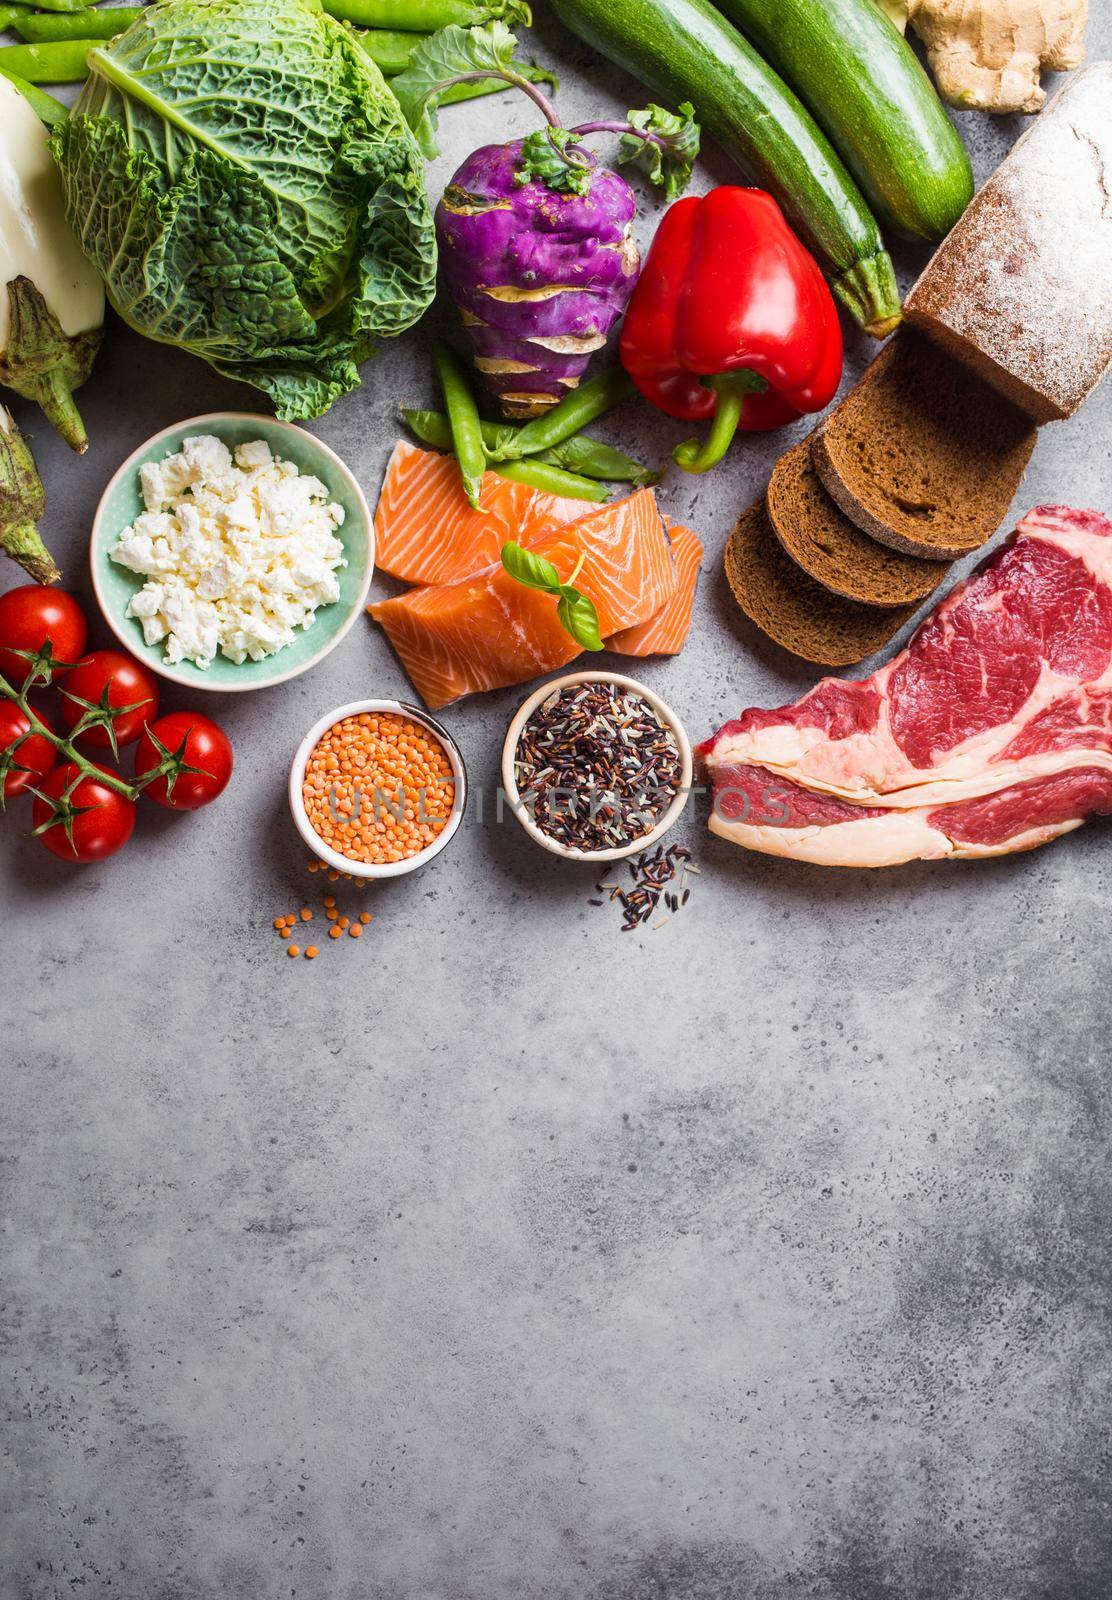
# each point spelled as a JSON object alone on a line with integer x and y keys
{"x": 581, "y": 454}
{"x": 427, "y": 16}
{"x": 553, "y": 480}
{"x": 10, "y": 15}
{"x": 571, "y": 415}
{"x": 64, "y": 5}
{"x": 463, "y": 420}
{"x": 61, "y": 62}
{"x": 389, "y": 48}
{"x": 49, "y": 27}
{"x": 45, "y": 107}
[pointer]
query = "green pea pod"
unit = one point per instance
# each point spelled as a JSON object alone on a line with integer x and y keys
{"x": 62, "y": 62}
{"x": 573, "y": 413}
{"x": 428, "y": 16}
{"x": 45, "y": 107}
{"x": 463, "y": 419}
{"x": 581, "y": 454}
{"x": 552, "y": 480}
{"x": 53, "y": 27}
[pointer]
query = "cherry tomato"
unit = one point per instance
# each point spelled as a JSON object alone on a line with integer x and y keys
{"x": 126, "y": 683}
{"x": 98, "y": 831}
{"x": 206, "y": 746}
{"x": 28, "y": 617}
{"x": 35, "y": 752}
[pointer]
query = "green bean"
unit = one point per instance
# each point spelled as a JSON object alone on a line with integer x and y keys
{"x": 553, "y": 480}
{"x": 389, "y": 48}
{"x": 571, "y": 415}
{"x": 62, "y": 62}
{"x": 426, "y": 16}
{"x": 44, "y": 105}
{"x": 581, "y": 454}
{"x": 463, "y": 419}
{"x": 57, "y": 26}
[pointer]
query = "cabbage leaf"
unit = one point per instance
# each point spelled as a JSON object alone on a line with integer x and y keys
{"x": 246, "y": 183}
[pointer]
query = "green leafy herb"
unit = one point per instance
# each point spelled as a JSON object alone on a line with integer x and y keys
{"x": 576, "y": 612}
{"x": 457, "y": 55}
{"x": 669, "y": 156}
{"x": 548, "y": 157}
{"x": 244, "y": 180}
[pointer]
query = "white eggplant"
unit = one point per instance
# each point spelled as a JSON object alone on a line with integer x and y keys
{"x": 21, "y": 504}
{"x": 52, "y": 312}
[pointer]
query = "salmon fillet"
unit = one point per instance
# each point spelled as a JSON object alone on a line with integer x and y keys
{"x": 427, "y": 532}
{"x": 490, "y": 631}
{"x": 664, "y": 634}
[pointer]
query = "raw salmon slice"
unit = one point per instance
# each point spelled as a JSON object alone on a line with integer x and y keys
{"x": 490, "y": 631}
{"x": 426, "y": 531}
{"x": 664, "y": 634}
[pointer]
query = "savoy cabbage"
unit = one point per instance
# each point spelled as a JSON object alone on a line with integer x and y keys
{"x": 247, "y": 185}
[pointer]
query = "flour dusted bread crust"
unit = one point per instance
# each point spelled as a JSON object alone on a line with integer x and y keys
{"x": 1021, "y": 290}
{"x": 792, "y": 608}
{"x": 822, "y": 540}
{"x": 922, "y": 454}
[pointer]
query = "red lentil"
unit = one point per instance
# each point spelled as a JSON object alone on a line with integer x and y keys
{"x": 377, "y": 755}
{"x": 293, "y": 950}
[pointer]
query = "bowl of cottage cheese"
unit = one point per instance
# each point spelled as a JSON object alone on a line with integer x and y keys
{"x": 232, "y": 551}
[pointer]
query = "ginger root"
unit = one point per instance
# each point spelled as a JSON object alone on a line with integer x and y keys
{"x": 987, "y": 55}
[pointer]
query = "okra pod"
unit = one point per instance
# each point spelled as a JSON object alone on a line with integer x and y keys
{"x": 54, "y": 27}
{"x": 463, "y": 420}
{"x": 570, "y": 416}
{"x": 61, "y": 62}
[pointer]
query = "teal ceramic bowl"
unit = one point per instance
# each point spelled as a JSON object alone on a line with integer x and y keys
{"x": 121, "y": 503}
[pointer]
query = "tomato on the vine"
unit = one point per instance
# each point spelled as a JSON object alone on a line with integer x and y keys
{"x": 195, "y": 742}
{"x": 92, "y": 822}
{"x": 34, "y": 757}
{"x": 29, "y": 616}
{"x": 101, "y": 681}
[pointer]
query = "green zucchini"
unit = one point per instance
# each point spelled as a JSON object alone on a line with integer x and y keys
{"x": 685, "y": 50}
{"x": 863, "y": 84}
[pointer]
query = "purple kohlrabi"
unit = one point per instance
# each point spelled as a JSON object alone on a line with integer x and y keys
{"x": 539, "y": 276}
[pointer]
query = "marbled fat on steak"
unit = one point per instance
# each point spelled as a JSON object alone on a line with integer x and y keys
{"x": 991, "y": 732}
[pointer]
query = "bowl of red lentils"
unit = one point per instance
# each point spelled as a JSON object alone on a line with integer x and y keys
{"x": 377, "y": 788}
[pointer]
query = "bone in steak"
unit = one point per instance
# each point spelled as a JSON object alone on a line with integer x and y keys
{"x": 991, "y": 732}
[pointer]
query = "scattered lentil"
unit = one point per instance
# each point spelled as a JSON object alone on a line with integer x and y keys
{"x": 378, "y": 788}
{"x": 335, "y": 932}
{"x": 596, "y": 767}
{"x": 311, "y": 953}
{"x": 293, "y": 950}
{"x": 355, "y": 931}
{"x": 285, "y": 933}
{"x": 306, "y": 914}
{"x": 364, "y": 917}
{"x": 330, "y": 901}
{"x": 279, "y": 922}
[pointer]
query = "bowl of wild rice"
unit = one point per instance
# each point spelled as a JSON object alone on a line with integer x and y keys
{"x": 596, "y": 766}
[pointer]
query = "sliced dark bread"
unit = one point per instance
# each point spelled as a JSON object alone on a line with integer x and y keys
{"x": 822, "y": 540}
{"x": 922, "y": 454}
{"x": 795, "y": 610}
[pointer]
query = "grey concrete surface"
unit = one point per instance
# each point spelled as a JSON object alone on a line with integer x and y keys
{"x": 503, "y": 1257}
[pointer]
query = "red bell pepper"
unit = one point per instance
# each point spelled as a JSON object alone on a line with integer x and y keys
{"x": 731, "y": 319}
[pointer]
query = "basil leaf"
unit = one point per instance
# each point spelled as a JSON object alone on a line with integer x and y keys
{"x": 533, "y": 571}
{"x": 578, "y": 615}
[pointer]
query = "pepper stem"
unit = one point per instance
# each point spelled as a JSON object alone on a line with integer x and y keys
{"x": 731, "y": 389}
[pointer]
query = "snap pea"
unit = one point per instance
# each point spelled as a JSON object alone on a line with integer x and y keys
{"x": 62, "y": 62}
{"x": 54, "y": 27}
{"x": 44, "y": 105}
{"x": 63, "y": 5}
{"x": 572, "y": 415}
{"x": 463, "y": 420}
{"x": 10, "y": 15}
{"x": 426, "y": 16}
{"x": 581, "y": 454}
{"x": 553, "y": 480}
{"x": 390, "y": 48}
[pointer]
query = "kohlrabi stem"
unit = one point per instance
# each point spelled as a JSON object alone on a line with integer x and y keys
{"x": 618, "y": 127}
{"x": 87, "y": 768}
{"x": 538, "y": 97}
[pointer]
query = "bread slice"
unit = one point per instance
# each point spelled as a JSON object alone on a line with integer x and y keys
{"x": 1021, "y": 289}
{"x": 795, "y": 610}
{"x": 833, "y": 550}
{"x": 922, "y": 454}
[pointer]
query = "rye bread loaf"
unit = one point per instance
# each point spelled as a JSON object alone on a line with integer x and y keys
{"x": 922, "y": 454}
{"x": 822, "y": 540}
{"x": 1021, "y": 290}
{"x": 792, "y": 608}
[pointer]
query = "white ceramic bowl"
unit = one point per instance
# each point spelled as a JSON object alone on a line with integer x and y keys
{"x": 666, "y": 715}
{"x": 364, "y": 869}
{"x": 122, "y": 502}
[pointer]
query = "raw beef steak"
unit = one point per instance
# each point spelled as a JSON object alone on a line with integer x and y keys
{"x": 991, "y": 732}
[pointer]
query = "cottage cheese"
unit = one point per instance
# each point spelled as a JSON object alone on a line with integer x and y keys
{"x": 238, "y": 554}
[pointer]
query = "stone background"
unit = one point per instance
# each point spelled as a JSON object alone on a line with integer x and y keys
{"x": 503, "y": 1257}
